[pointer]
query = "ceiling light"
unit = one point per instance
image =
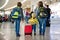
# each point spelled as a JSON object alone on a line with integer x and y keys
{"x": 15, "y": 5}
{"x": 6, "y": 1}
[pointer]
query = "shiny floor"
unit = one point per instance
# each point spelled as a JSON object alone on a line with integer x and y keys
{"x": 7, "y": 32}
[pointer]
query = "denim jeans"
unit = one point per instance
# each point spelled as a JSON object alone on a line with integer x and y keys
{"x": 34, "y": 28}
{"x": 17, "y": 26}
{"x": 42, "y": 25}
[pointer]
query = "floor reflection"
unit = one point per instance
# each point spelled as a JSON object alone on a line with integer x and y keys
{"x": 7, "y": 32}
{"x": 17, "y": 38}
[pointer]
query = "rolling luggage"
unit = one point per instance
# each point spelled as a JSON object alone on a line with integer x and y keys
{"x": 28, "y": 29}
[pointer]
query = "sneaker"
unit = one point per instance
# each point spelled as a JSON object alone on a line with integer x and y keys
{"x": 34, "y": 33}
{"x": 42, "y": 34}
{"x": 18, "y": 35}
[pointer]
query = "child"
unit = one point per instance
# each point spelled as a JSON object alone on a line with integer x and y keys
{"x": 27, "y": 17}
{"x": 33, "y": 21}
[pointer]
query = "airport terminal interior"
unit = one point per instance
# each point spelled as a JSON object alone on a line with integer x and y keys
{"x": 7, "y": 27}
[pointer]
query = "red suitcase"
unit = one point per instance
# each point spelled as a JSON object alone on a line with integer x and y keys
{"x": 28, "y": 29}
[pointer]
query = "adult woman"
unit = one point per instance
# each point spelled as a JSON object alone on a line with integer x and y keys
{"x": 42, "y": 17}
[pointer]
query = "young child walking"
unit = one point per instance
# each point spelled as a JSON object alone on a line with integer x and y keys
{"x": 33, "y": 21}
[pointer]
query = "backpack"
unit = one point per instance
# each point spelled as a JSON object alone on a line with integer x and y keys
{"x": 15, "y": 13}
{"x": 42, "y": 14}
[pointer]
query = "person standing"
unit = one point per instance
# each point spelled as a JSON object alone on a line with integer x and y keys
{"x": 41, "y": 15}
{"x": 49, "y": 14}
{"x": 17, "y": 16}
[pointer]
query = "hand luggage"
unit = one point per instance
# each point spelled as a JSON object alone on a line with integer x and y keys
{"x": 28, "y": 29}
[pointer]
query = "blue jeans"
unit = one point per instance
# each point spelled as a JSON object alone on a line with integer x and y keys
{"x": 34, "y": 28}
{"x": 42, "y": 25}
{"x": 17, "y": 26}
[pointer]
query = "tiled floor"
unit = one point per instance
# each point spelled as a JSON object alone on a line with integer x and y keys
{"x": 7, "y": 32}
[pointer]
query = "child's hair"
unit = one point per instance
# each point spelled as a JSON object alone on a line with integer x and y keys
{"x": 33, "y": 15}
{"x": 32, "y": 12}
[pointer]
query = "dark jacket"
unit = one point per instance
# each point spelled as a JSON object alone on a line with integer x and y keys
{"x": 48, "y": 11}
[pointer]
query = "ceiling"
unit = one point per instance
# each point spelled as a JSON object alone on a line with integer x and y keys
{"x": 9, "y": 4}
{"x": 2, "y": 2}
{"x": 12, "y": 3}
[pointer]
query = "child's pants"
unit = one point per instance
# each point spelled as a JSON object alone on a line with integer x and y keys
{"x": 34, "y": 28}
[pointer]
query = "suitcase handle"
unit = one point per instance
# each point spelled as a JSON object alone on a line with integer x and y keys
{"x": 27, "y": 24}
